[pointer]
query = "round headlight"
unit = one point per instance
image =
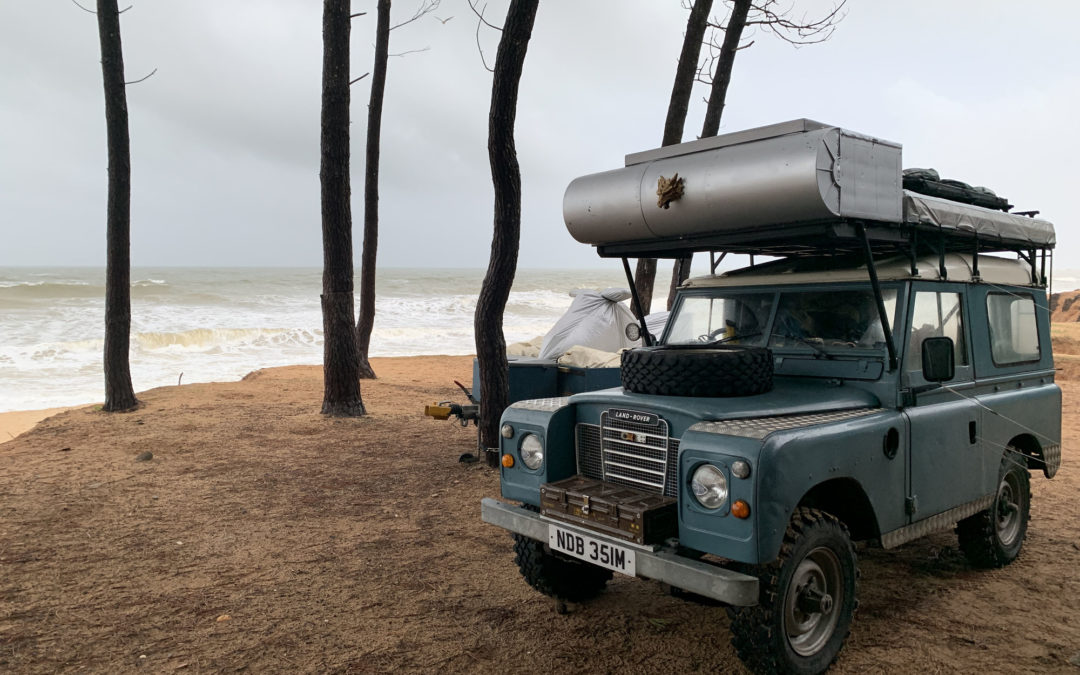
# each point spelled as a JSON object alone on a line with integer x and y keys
{"x": 532, "y": 451}
{"x": 709, "y": 486}
{"x": 507, "y": 431}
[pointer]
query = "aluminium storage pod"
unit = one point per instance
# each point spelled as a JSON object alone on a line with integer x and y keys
{"x": 794, "y": 172}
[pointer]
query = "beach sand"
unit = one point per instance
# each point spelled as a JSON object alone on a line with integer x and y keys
{"x": 265, "y": 537}
{"x": 14, "y": 423}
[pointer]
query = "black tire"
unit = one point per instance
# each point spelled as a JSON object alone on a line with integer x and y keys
{"x": 994, "y": 537}
{"x": 691, "y": 370}
{"x": 816, "y": 566}
{"x": 557, "y": 575}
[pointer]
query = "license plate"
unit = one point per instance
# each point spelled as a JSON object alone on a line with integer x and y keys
{"x": 591, "y": 550}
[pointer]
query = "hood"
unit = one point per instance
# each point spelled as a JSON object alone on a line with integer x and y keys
{"x": 787, "y": 397}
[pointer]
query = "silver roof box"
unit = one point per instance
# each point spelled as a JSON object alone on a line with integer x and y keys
{"x": 778, "y": 187}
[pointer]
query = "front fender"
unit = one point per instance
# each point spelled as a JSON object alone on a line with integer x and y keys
{"x": 553, "y": 421}
{"x": 850, "y": 454}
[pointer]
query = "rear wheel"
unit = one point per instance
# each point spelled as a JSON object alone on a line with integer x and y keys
{"x": 557, "y": 575}
{"x": 994, "y": 537}
{"x": 807, "y": 600}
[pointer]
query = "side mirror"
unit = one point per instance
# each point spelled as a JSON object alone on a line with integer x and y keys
{"x": 937, "y": 359}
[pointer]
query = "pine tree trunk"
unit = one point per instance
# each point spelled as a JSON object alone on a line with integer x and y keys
{"x": 645, "y": 275}
{"x": 724, "y": 62}
{"x": 644, "y": 278}
{"x": 506, "y": 178}
{"x": 341, "y": 357}
{"x": 119, "y": 394}
{"x": 371, "y": 190}
{"x": 680, "y": 272}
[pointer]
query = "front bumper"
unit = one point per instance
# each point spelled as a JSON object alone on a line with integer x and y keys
{"x": 657, "y": 563}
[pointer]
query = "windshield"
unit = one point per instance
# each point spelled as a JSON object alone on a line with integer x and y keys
{"x": 738, "y": 318}
{"x": 830, "y": 320}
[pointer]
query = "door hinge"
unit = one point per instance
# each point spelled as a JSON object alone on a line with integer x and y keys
{"x": 911, "y": 505}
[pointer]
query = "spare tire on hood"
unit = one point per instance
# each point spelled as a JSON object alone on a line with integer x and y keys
{"x": 698, "y": 370}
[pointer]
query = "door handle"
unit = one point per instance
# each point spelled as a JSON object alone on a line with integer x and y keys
{"x": 972, "y": 436}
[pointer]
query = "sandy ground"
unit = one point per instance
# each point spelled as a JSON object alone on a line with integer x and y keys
{"x": 263, "y": 537}
{"x": 14, "y": 423}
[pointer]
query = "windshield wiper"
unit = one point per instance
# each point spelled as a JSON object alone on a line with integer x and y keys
{"x": 818, "y": 349}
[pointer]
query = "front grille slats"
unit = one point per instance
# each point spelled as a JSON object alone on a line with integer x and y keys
{"x": 648, "y": 460}
{"x": 611, "y": 463}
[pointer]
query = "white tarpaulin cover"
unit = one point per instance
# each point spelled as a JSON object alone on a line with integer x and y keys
{"x": 596, "y": 319}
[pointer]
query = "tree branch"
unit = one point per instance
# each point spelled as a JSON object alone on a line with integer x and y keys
{"x": 90, "y": 11}
{"x": 142, "y": 79}
{"x": 423, "y": 9}
{"x": 776, "y": 19}
{"x": 481, "y": 21}
{"x": 480, "y": 15}
{"x": 353, "y": 16}
{"x": 358, "y": 79}
{"x": 411, "y": 51}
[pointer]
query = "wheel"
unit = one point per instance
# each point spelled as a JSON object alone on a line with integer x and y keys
{"x": 557, "y": 575}
{"x": 994, "y": 537}
{"x": 807, "y": 600}
{"x": 697, "y": 370}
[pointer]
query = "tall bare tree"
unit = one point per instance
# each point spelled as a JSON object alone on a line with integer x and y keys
{"x": 341, "y": 356}
{"x": 506, "y": 178}
{"x": 769, "y": 16}
{"x": 371, "y": 189}
{"x": 119, "y": 394}
{"x": 366, "y": 320}
{"x": 678, "y": 104}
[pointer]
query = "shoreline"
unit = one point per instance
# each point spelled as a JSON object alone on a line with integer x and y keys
{"x": 14, "y": 423}
{"x": 17, "y": 422}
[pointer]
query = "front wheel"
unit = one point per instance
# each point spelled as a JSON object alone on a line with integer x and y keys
{"x": 807, "y": 600}
{"x": 994, "y": 537}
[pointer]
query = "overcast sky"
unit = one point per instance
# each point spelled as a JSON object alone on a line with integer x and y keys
{"x": 225, "y": 155}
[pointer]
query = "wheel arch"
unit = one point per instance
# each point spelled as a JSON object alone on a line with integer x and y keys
{"x": 1045, "y": 458}
{"x": 845, "y": 499}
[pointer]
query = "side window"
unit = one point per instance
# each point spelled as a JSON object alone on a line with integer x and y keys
{"x": 1014, "y": 335}
{"x": 936, "y": 315}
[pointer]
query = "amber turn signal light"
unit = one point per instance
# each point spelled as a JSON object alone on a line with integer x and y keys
{"x": 508, "y": 461}
{"x": 740, "y": 509}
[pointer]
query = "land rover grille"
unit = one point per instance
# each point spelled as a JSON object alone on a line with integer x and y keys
{"x": 628, "y": 453}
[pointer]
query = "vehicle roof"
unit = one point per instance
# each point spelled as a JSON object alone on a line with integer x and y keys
{"x": 822, "y": 269}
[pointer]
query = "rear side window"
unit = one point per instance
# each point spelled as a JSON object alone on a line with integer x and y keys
{"x": 1014, "y": 335}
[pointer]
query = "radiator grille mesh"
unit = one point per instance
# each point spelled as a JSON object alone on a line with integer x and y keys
{"x": 628, "y": 453}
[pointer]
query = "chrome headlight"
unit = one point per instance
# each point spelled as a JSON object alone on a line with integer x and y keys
{"x": 532, "y": 451}
{"x": 710, "y": 486}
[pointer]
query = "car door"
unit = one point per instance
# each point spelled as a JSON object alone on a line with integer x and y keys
{"x": 943, "y": 420}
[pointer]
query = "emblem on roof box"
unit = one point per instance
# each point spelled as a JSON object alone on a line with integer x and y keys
{"x": 636, "y": 417}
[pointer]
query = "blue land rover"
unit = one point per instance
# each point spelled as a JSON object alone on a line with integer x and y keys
{"x": 886, "y": 373}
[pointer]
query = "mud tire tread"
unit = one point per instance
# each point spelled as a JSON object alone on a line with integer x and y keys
{"x": 756, "y": 631}
{"x": 977, "y": 535}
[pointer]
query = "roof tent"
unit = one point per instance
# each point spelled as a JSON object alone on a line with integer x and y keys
{"x": 791, "y": 189}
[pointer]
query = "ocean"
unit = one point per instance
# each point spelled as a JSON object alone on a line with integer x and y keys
{"x": 218, "y": 324}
